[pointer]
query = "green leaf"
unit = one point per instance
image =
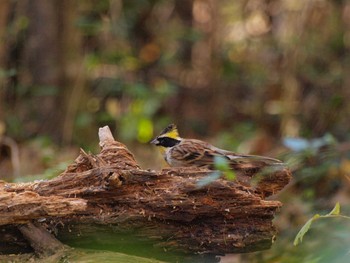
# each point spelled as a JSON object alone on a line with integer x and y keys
{"x": 230, "y": 175}
{"x": 221, "y": 163}
{"x": 299, "y": 237}
{"x": 335, "y": 211}
{"x": 208, "y": 179}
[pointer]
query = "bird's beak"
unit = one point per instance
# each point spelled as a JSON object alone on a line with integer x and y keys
{"x": 154, "y": 141}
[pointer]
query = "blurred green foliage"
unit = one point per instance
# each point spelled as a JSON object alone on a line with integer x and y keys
{"x": 251, "y": 62}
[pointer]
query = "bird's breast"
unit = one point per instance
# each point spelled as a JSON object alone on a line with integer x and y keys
{"x": 171, "y": 161}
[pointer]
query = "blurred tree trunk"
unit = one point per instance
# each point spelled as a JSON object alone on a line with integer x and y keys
{"x": 41, "y": 54}
{"x": 71, "y": 65}
{"x": 4, "y": 14}
{"x": 346, "y": 82}
{"x": 204, "y": 64}
{"x": 290, "y": 42}
{"x": 196, "y": 99}
{"x": 199, "y": 104}
{"x": 52, "y": 70}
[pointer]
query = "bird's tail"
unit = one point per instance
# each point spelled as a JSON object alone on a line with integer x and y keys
{"x": 252, "y": 164}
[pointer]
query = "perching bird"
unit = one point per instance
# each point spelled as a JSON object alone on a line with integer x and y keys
{"x": 180, "y": 152}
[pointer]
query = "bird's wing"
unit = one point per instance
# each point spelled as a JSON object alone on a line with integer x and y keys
{"x": 191, "y": 152}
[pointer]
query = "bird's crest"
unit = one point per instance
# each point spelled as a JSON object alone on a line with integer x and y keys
{"x": 170, "y": 131}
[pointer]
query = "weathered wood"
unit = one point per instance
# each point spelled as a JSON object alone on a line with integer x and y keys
{"x": 22, "y": 206}
{"x": 165, "y": 206}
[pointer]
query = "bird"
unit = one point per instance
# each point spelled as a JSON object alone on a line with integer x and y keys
{"x": 181, "y": 152}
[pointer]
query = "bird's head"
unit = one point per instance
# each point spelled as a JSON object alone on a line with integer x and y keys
{"x": 169, "y": 137}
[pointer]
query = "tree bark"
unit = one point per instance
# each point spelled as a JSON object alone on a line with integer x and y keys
{"x": 167, "y": 207}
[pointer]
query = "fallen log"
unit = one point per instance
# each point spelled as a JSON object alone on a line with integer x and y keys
{"x": 166, "y": 207}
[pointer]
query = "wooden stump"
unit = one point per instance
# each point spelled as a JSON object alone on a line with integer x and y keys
{"x": 167, "y": 207}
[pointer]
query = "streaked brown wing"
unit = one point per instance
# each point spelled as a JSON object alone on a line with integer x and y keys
{"x": 191, "y": 152}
